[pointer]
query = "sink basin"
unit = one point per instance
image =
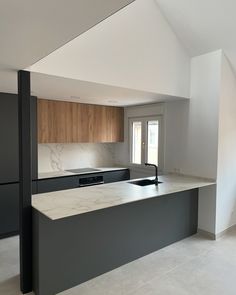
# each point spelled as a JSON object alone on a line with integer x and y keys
{"x": 144, "y": 182}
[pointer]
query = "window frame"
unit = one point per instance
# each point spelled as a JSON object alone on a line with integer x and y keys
{"x": 144, "y": 135}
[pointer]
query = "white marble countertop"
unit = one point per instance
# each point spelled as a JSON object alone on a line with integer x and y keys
{"x": 66, "y": 203}
{"x": 62, "y": 173}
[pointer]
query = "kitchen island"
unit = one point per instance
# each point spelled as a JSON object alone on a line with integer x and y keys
{"x": 81, "y": 233}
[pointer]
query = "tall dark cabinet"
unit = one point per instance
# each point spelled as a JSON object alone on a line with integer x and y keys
{"x": 9, "y": 161}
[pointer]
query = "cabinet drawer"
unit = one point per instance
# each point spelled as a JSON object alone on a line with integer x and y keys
{"x": 114, "y": 176}
{"x": 56, "y": 184}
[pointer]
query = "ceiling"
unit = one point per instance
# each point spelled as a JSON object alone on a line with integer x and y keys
{"x": 203, "y": 25}
{"x": 30, "y": 30}
{"x": 59, "y": 88}
{"x": 135, "y": 49}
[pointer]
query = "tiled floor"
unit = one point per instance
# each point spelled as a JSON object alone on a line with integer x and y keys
{"x": 194, "y": 266}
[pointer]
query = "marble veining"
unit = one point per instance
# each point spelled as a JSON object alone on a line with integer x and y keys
{"x": 55, "y": 156}
{"x": 59, "y": 157}
{"x": 61, "y": 204}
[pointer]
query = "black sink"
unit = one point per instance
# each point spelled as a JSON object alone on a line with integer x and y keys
{"x": 144, "y": 182}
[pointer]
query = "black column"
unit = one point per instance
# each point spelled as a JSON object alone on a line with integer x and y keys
{"x": 25, "y": 182}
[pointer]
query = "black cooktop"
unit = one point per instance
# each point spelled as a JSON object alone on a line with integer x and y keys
{"x": 83, "y": 170}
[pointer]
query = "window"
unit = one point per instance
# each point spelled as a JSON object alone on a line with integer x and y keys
{"x": 145, "y": 140}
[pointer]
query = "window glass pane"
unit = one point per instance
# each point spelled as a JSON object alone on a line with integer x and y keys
{"x": 152, "y": 148}
{"x": 137, "y": 137}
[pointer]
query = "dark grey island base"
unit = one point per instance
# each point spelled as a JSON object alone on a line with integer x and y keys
{"x": 72, "y": 250}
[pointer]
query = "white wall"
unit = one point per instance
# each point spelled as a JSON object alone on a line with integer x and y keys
{"x": 226, "y": 169}
{"x": 56, "y": 157}
{"x": 176, "y": 135}
{"x": 192, "y": 132}
{"x": 135, "y": 48}
{"x": 192, "y": 127}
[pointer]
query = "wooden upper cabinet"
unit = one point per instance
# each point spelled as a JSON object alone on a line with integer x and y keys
{"x": 68, "y": 122}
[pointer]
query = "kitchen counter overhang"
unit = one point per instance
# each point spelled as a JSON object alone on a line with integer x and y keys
{"x": 66, "y": 203}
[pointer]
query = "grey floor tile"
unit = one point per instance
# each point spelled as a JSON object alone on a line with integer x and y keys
{"x": 194, "y": 266}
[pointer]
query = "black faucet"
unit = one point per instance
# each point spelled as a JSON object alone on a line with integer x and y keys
{"x": 156, "y": 169}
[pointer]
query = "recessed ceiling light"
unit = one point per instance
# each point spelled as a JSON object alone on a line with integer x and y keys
{"x": 75, "y": 97}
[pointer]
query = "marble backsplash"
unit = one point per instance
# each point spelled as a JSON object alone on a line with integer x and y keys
{"x": 57, "y": 157}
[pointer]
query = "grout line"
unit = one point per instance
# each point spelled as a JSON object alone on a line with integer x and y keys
{"x": 205, "y": 251}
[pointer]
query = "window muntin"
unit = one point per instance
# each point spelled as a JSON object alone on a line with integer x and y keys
{"x": 136, "y": 142}
{"x": 152, "y": 141}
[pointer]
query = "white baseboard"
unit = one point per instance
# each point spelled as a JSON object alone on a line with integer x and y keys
{"x": 213, "y": 236}
{"x": 206, "y": 234}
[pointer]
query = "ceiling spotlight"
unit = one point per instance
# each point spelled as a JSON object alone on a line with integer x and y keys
{"x": 75, "y": 97}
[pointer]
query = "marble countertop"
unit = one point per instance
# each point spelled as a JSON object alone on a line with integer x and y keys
{"x": 66, "y": 203}
{"x": 63, "y": 173}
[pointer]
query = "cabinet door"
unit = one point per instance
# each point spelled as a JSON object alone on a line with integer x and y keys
{"x": 115, "y": 124}
{"x": 57, "y": 184}
{"x": 46, "y": 121}
{"x": 114, "y": 176}
{"x": 107, "y": 124}
{"x": 9, "y": 147}
{"x": 83, "y": 123}
{"x": 98, "y": 131}
{"x": 9, "y": 209}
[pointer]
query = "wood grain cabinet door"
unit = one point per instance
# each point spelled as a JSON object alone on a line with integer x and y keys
{"x": 46, "y": 121}
{"x": 98, "y": 126}
{"x": 67, "y": 122}
{"x": 115, "y": 124}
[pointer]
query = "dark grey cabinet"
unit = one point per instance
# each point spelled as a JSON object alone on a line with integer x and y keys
{"x": 9, "y": 209}
{"x": 114, "y": 176}
{"x": 9, "y": 148}
{"x": 34, "y": 187}
{"x": 9, "y": 161}
{"x": 57, "y": 184}
{"x": 69, "y": 182}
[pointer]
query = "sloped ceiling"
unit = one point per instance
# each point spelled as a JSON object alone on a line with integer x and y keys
{"x": 134, "y": 48}
{"x": 203, "y": 25}
{"x": 30, "y": 30}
